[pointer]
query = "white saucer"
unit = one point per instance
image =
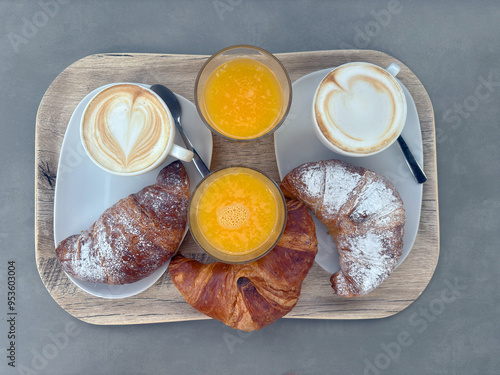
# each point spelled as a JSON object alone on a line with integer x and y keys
{"x": 83, "y": 191}
{"x": 296, "y": 143}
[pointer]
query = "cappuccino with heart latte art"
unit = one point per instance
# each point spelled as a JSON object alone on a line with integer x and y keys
{"x": 359, "y": 109}
{"x": 126, "y": 128}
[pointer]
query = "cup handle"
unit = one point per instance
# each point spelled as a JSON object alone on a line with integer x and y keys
{"x": 393, "y": 69}
{"x": 181, "y": 153}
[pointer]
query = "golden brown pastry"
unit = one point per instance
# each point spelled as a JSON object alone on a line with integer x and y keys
{"x": 254, "y": 295}
{"x": 135, "y": 236}
{"x": 363, "y": 212}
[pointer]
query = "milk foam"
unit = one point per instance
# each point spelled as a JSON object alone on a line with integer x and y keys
{"x": 360, "y": 108}
{"x": 126, "y": 128}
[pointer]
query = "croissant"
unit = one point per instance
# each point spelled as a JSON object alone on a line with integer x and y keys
{"x": 135, "y": 236}
{"x": 364, "y": 214}
{"x": 254, "y": 295}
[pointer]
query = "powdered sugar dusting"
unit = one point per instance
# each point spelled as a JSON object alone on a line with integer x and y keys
{"x": 339, "y": 185}
{"x": 84, "y": 261}
{"x": 376, "y": 203}
{"x": 366, "y": 260}
{"x": 134, "y": 237}
{"x": 312, "y": 178}
{"x": 362, "y": 211}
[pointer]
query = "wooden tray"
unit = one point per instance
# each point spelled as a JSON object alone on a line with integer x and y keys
{"x": 162, "y": 302}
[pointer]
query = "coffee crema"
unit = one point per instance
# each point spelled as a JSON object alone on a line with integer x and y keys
{"x": 360, "y": 108}
{"x": 126, "y": 128}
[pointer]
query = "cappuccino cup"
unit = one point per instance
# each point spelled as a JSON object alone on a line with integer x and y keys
{"x": 126, "y": 129}
{"x": 359, "y": 109}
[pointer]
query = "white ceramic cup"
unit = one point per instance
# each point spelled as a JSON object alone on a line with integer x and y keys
{"x": 133, "y": 134}
{"x": 359, "y": 109}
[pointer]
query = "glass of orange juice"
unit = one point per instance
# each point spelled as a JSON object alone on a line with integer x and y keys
{"x": 243, "y": 93}
{"x": 237, "y": 214}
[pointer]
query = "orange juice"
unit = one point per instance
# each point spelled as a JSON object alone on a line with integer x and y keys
{"x": 237, "y": 211}
{"x": 243, "y": 99}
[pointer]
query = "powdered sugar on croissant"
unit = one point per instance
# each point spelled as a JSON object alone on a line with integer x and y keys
{"x": 363, "y": 212}
{"x": 135, "y": 236}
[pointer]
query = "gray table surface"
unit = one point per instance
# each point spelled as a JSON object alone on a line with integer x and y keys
{"x": 452, "y": 46}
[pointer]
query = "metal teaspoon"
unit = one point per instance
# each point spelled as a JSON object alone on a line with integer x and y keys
{"x": 175, "y": 109}
{"x": 415, "y": 168}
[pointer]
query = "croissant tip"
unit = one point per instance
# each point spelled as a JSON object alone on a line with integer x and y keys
{"x": 173, "y": 171}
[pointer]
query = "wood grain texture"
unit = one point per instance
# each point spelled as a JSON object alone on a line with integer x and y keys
{"x": 162, "y": 302}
